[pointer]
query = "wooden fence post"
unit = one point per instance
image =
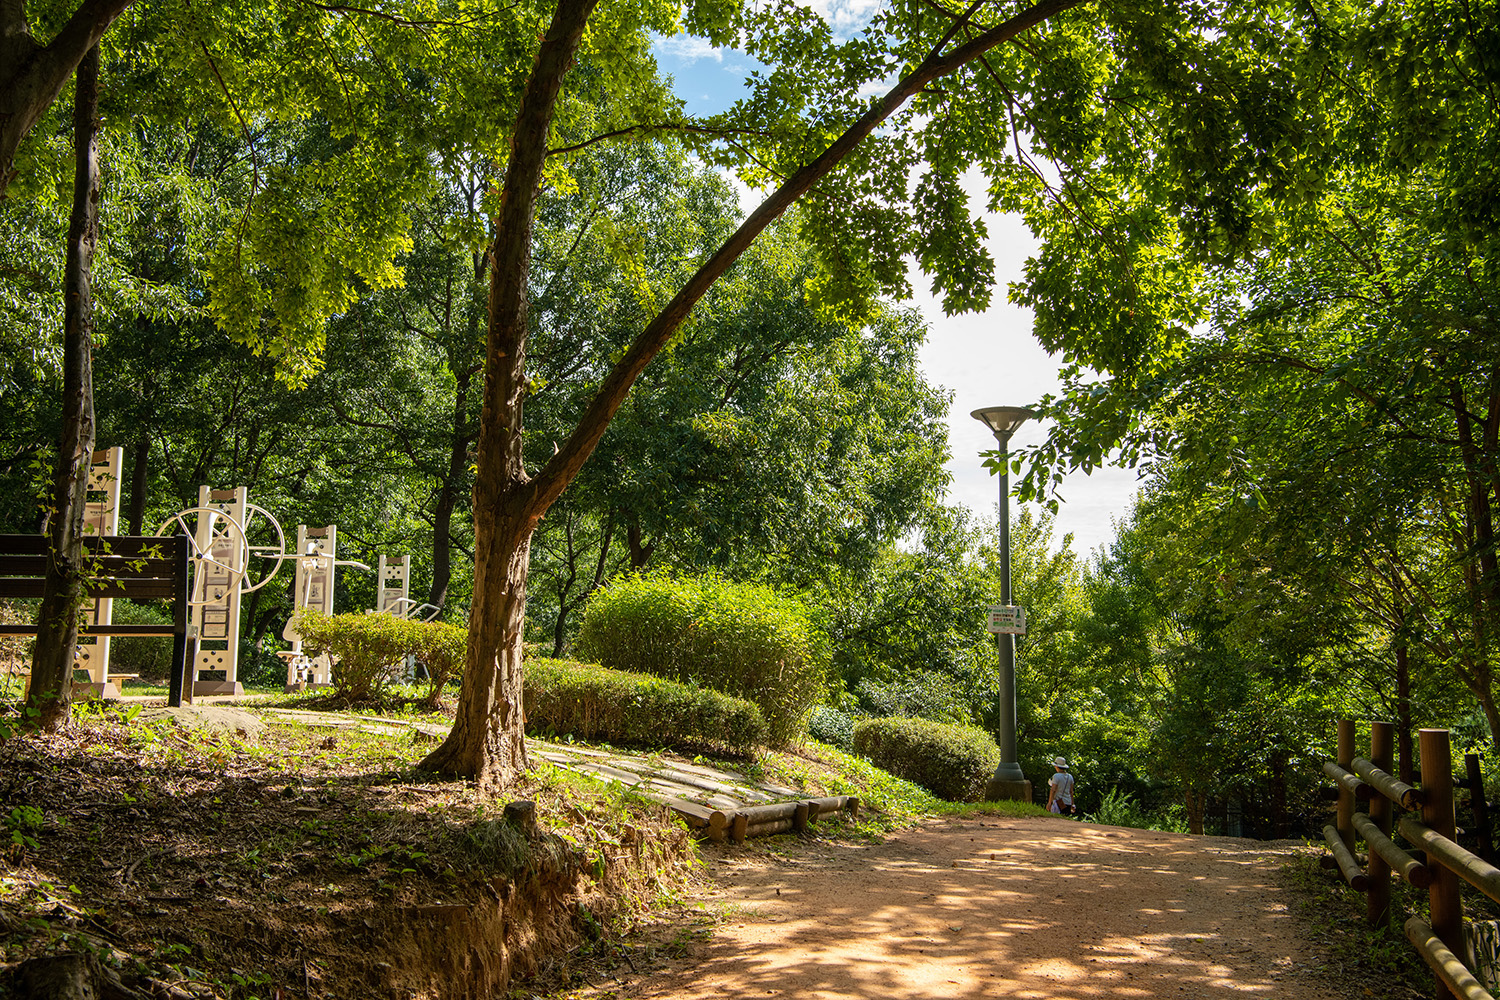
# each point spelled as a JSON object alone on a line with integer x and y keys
{"x": 1378, "y": 900}
{"x": 1346, "y": 797}
{"x": 1437, "y": 815}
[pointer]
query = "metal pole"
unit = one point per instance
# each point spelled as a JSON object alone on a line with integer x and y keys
{"x": 1009, "y": 782}
{"x": 1010, "y": 766}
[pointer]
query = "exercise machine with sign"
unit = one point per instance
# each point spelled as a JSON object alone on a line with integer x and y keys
{"x": 219, "y": 532}
{"x": 101, "y": 517}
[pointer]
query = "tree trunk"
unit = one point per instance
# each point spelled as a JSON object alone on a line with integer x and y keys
{"x": 63, "y": 594}
{"x": 1280, "y": 828}
{"x": 640, "y": 550}
{"x": 488, "y": 740}
{"x": 1194, "y": 802}
{"x": 458, "y": 463}
{"x": 1407, "y": 766}
{"x": 140, "y": 455}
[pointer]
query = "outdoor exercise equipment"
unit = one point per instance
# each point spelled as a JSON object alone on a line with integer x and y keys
{"x": 101, "y": 516}
{"x": 393, "y": 583}
{"x": 219, "y": 531}
{"x": 316, "y": 562}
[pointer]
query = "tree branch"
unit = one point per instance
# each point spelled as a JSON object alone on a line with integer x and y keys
{"x": 555, "y": 476}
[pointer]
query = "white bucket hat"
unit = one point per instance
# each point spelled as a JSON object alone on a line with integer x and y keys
{"x": 1059, "y": 762}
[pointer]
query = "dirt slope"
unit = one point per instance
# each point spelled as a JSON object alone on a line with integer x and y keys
{"x": 1041, "y": 909}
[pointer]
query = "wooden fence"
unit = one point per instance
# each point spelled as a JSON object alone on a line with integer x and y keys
{"x": 1369, "y": 779}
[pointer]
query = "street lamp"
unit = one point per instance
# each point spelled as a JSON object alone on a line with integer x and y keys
{"x": 1009, "y": 781}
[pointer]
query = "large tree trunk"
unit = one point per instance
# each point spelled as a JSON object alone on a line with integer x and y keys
{"x": 63, "y": 591}
{"x": 507, "y": 503}
{"x": 488, "y": 740}
{"x": 32, "y": 75}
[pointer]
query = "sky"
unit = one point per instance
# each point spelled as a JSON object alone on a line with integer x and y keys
{"x": 986, "y": 359}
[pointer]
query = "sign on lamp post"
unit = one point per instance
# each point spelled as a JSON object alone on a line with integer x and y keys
{"x": 1007, "y": 620}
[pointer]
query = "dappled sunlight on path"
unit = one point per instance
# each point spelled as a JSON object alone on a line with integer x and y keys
{"x": 1041, "y": 909}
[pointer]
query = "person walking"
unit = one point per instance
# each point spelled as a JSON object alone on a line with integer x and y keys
{"x": 1060, "y": 789}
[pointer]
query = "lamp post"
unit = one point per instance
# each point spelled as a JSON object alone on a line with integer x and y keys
{"x": 1009, "y": 782}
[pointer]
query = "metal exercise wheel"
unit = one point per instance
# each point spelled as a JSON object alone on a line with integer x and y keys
{"x": 212, "y": 568}
{"x": 277, "y": 553}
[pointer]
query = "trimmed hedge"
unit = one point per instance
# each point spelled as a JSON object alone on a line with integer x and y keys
{"x": 369, "y": 648}
{"x": 951, "y": 762}
{"x": 743, "y": 639}
{"x": 590, "y": 702}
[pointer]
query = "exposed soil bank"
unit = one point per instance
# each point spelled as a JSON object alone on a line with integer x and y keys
{"x": 297, "y": 864}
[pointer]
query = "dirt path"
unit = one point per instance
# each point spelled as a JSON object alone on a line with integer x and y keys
{"x": 1040, "y": 909}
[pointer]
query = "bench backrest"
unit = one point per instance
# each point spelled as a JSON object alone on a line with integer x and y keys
{"x": 137, "y": 567}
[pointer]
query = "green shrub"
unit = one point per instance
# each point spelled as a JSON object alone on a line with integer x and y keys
{"x": 742, "y": 639}
{"x": 370, "y": 648}
{"x": 593, "y": 702}
{"x": 829, "y": 725}
{"x": 150, "y": 656}
{"x": 1120, "y": 809}
{"x": 951, "y": 762}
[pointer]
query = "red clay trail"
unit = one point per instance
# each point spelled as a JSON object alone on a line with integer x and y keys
{"x": 1039, "y": 909}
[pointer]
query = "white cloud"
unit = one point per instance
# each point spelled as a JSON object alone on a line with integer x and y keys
{"x": 845, "y": 17}
{"x": 688, "y": 48}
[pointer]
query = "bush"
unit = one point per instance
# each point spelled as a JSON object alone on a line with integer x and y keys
{"x": 1120, "y": 809}
{"x": 951, "y": 762}
{"x": 742, "y": 639}
{"x": 370, "y": 648}
{"x": 150, "y": 656}
{"x": 829, "y": 725}
{"x": 593, "y": 702}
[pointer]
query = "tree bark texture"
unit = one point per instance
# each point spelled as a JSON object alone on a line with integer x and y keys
{"x": 32, "y": 75}
{"x": 507, "y": 503}
{"x": 488, "y": 741}
{"x": 63, "y": 590}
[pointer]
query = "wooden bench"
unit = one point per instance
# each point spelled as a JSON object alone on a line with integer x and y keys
{"x": 140, "y": 568}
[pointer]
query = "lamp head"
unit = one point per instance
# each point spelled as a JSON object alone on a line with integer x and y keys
{"x": 1002, "y": 420}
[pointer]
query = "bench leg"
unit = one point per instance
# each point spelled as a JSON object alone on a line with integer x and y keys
{"x": 184, "y": 663}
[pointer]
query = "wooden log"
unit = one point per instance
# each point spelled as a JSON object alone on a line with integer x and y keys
{"x": 833, "y": 803}
{"x": 769, "y": 811}
{"x": 1444, "y": 964}
{"x": 695, "y": 814}
{"x": 1391, "y": 857}
{"x": 800, "y": 818}
{"x": 767, "y": 828}
{"x": 1348, "y": 782}
{"x": 1346, "y": 792}
{"x": 1465, "y": 864}
{"x": 1388, "y": 785}
{"x": 1348, "y": 867}
{"x": 1443, "y": 901}
{"x": 1376, "y": 828}
{"x": 737, "y": 827}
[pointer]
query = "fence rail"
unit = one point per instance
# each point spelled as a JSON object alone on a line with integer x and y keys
{"x": 1367, "y": 779}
